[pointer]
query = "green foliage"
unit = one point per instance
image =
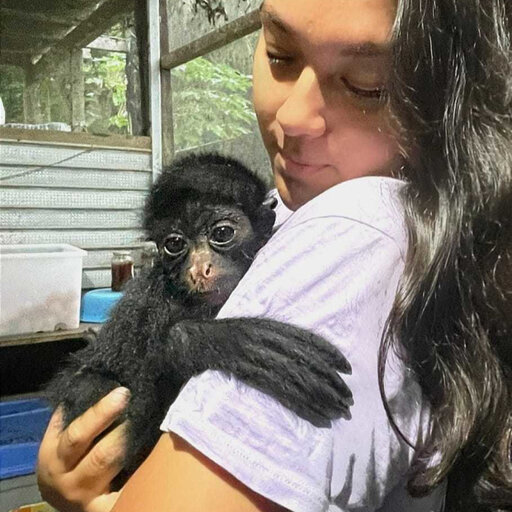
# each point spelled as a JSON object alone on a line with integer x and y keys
{"x": 210, "y": 102}
{"x": 105, "y": 92}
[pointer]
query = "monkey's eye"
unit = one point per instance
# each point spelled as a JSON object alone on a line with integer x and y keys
{"x": 175, "y": 244}
{"x": 222, "y": 235}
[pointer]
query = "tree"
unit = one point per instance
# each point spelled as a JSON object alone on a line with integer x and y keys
{"x": 210, "y": 102}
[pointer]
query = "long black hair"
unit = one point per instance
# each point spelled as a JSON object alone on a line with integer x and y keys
{"x": 452, "y": 95}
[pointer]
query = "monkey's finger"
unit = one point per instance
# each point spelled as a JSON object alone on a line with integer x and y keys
{"x": 308, "y": 343}
{"x": 76, "y": 440}
{"x": 317, "y": 345}
{"x": 314, "y": 377}
{"x": 313, "y": 402}
{"x": 321, "y": 370}
{"x": 288, "y": 358}
{"x": 309, "y": 398}
{"x": 285, "y": 393}
{"x": 292, "y": 340}
{"x": 103, "y": 462}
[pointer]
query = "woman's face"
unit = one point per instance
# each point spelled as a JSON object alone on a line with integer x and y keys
{"x": 320, "y": 69}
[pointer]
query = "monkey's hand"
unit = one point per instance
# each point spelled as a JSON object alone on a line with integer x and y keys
{"x": 295, "y": 366}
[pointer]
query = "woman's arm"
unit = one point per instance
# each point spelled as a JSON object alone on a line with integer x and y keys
{"x": 74, "y": 474}
{"x": 177, "y": 477}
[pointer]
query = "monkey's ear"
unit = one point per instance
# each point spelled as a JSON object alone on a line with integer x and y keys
{"x": 265, "y": 219}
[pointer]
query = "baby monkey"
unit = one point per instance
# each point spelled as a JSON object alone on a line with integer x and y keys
{"x": 208, "y": 217}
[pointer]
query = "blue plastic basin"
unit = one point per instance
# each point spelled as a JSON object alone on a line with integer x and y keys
{"x": 22, "y": 425}
{"x": 96, "y": 305}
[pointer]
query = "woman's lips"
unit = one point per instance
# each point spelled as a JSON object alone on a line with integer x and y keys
{"x": 292, "y": 166}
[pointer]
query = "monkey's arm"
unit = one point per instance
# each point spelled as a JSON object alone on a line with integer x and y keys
{"x": 295, "y": 366}
{"x": 116, "y": 356}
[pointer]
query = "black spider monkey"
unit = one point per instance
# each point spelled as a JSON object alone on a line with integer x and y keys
{"x": 208, "y": 217}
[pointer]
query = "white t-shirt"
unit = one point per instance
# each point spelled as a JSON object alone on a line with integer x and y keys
{"x": 332, "y": 267}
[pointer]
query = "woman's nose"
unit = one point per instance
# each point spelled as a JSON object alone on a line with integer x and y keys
{"x": 302, "y": 112}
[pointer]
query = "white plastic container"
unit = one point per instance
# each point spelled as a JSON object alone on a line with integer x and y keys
{"x": 40, "y": 288}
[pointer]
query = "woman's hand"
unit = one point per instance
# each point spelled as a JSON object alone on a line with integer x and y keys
{"x": 73, "y": 473}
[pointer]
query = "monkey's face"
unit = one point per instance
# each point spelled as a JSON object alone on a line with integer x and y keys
{"x": 205, "y": 251}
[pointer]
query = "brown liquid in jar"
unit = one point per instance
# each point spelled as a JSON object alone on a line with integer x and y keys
{"x": 122, "y": 270}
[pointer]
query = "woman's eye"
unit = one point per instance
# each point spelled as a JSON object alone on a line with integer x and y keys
{"x": 175, "y": 244}
{"x": 273, "y": 58}
{"x": 379, "y": 93}
{"x": 222, "y": 235}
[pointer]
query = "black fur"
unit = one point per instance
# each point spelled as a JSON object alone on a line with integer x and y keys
{"x": 161, "y": 333}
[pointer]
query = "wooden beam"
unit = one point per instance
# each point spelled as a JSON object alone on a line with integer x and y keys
{"x": 19, "y": 28}
{"x": 165, "y": 81}
{"x": 224, "y": 35}
{"x": 77, "y": 92}
{"x": 106, "y": 15}
{"x": 19, "y": 59}
{"x": 18, "y": 35}
{"x": 76, "y": 139}
{"x": 142, "y": 35}
{"x": 84, "y": 330}
{"x": 155, "y": 99}
{"x": 18, "y": 42}
{"x": 109, "y": 44}
{"x": 15, "y": 10}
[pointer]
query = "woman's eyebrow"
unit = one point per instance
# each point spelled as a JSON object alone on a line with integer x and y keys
{"x": 274, "y": 19}
{"x": 366, "y": 49}
{"x": 347, "y": 49}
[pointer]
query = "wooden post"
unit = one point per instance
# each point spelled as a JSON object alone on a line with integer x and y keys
{"x": 46, "y": 100}
{"x": 31, "y": 101}
{"x": 154, "y": 86}
{"x": 77, "y": 91}
{"x": 165, "y": 81}
{"x": 142, "y": 57}
{"x": 133, "y": 85}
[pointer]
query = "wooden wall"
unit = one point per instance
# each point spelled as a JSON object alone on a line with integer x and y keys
{"x": 87, "y": 196}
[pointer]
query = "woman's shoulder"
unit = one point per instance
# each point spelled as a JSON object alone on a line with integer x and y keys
{"x": 371, "y": 201}
{"x": 343, "y": 221}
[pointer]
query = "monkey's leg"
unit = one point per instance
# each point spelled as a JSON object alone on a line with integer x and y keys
{"x": 76, "y": 390}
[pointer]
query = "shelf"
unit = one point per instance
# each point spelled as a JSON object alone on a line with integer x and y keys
{"x": 45, "y": 337}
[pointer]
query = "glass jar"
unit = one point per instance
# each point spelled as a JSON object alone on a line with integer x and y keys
{"x": 122, "y": 269}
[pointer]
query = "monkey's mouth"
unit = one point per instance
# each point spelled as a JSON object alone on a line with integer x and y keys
{"x": 212, "y": 297}
{"x": 213, "y": 293}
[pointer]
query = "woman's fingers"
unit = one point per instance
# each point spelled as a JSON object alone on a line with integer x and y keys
{"x": 52, "y": 434}
{"x": 76, "y": 440}
{"x": 103, "y": 462}
{"x": 74, "y": 472}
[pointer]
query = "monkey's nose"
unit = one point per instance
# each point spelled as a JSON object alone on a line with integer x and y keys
{"x": 206, "y": 270}
{"x": 200, "y": 272}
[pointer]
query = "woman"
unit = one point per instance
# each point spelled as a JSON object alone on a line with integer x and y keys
{"x": 375, "y": 90}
